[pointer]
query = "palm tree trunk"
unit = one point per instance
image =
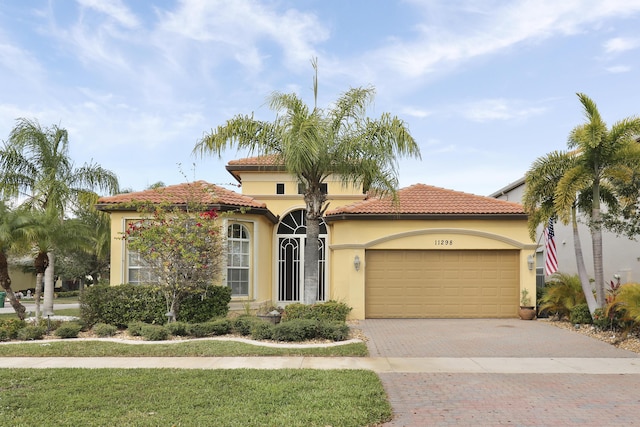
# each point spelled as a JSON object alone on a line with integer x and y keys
{"x": 311, "y": 260}
{"x": 5, "y": 282}
{"x": 40, "y": 264}
{"x": 49, "y": 285}
{"x": 582, "y": 270}
{"x": 596, "y": 241}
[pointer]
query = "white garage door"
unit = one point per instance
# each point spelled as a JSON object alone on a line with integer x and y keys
{"x": 441, "y": 284}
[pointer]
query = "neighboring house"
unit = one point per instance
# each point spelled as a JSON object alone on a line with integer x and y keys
{"x": 621, "y": 255}
{"x": 21, "y": 281}
{"x": 435, "y": 253}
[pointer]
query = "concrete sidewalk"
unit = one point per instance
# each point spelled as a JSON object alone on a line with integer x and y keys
{"x": 452, "y": 365}
{"x": 30, "y": 306}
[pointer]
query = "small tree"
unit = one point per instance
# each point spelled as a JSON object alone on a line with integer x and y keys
{"x": 184, "y": 247}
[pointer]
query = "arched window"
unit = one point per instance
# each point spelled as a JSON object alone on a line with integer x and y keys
{"x": 292, "y": 236}
{"x": 238, "y": 255}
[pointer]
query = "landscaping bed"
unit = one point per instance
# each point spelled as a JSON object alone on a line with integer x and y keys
{"x": 626, "y": 341}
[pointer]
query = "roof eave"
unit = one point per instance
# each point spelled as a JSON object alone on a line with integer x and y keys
{"x": 122, "y": 207}
{"x": 404, "y": 216}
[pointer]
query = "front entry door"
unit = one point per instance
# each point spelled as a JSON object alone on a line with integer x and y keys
{"x": 291, "y": 240}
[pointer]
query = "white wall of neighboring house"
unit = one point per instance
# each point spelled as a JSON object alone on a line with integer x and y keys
{"x": 620, "y": 255}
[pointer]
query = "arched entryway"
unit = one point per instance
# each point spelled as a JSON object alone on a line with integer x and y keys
{"x": 292, "y": 236}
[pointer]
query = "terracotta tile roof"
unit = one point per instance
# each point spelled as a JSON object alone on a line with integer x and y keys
{"x": 267, "y": 160}
{"x": 198, "y": 192}
{"x": 421, "y": 199}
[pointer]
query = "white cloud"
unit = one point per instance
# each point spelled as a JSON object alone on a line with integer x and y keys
{"x": 617, "y": 69}
{"x": 491, "y": 27}
{"x": 114, "y": 9}
{"x": 497, "y": 109}
{"x": 415, "y": 112}
{"x": 242, "y": 26}
{"x": 620, "y": 44}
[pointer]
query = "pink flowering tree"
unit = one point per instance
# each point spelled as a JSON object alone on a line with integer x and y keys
{"x": 184, "y": 248}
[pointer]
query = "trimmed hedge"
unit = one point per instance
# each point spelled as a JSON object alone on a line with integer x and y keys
{"x": 68, "y": 330}
{"x": 325, "y": 311}
{"x": 103, "y": 330}
{"x": 31, "y": 332}
{"x": 123, "y": 304}
{"x": 204, "y": 306}
{"x": 120, "y": 305}
{"x": 9, "y": 328}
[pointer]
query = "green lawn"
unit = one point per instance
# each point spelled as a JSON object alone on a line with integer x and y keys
{"x": 169, "y": 397}
{"x": 202, "y": 348}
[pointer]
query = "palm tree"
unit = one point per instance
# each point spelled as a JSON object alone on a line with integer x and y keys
{"x": 563, "y": 184}
{"x": 35, "y": 167}
{"x": 312, "y": 144}
{"x": 605, "y": 156}
{"x": 12, "y": 233}
{"x": 539, "y": 200}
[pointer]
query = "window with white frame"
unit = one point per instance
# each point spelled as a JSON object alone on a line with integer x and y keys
{"x": 238, "y": 253}
{"x": 138, "y": 272}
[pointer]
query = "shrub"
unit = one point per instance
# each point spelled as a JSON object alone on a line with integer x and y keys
{"x": 135, "y": 328}
{"x": 335, "y": 331}
{"x": 204, "y": 306}
{"x": 295, "y": 330}
{"x": 262, "y": 331}
{"x": 326, "y": 311}
{"x": 624, "y": 310}
{"x": 9, "y": 328}
{"x": 580, "y": 314}
{"x": 68, "y": 330}
{"x": 242, "y": 324}
{"x": 180, "y": 329}
{"x": 104, "y": 330}
{"x": 208, "y": 329}
{"x": 31, "y": 332}
{"x": 561, "y": 294}
{"x": 154, "y": 333}
{"x": 120, "y": 305}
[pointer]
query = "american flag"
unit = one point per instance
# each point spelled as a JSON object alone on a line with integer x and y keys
{"x": 550, "y": 254}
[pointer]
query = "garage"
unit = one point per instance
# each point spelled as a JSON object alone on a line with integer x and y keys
{"x": 441, "y": 283}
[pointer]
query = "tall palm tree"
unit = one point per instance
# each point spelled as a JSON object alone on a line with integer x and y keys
{"x": 605, "y": 155}
{"x": 583, "y": 179}
{"x": 35, "y": 167}
{"x": 313, "y": 143}
{"x": 12, "y": 235}
{"x": 539, "y": 200}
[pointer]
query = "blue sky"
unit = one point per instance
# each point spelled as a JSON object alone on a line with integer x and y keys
{"x": 485, "y": 86}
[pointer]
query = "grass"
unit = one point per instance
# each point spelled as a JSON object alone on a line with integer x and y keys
{"x": 168, "y": 397}
{"x": 203, "y": 348}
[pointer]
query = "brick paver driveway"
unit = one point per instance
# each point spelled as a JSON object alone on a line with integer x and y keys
{"x": 446, "y": 399}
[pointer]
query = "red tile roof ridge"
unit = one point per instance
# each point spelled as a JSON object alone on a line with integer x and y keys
{"x": 430, "y": 200}
{"x": 261, "y": 160}
{"x": 182, "y": 193}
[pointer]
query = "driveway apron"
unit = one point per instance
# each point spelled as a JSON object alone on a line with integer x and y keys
{"x": 493, "y": 399}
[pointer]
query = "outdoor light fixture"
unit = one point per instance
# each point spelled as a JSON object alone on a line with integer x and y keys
{"x": 530, "y": 262}
{"x": 356, "y": 263}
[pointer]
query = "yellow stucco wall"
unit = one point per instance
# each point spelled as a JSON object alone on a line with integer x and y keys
{"x": 349, "y": 239}
{"x": 259, "y": 227}
{"x": 21, "y": 281}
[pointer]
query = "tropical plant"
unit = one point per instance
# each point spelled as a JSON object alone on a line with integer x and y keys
{"x": 183, "y": 248}
{"x": 561, "y": 294}
{"x": 625, "y": 306}
{"x": 12, "y": 234}
{"x": 313, "y": 144}
{"x": 600, "y": 159}
{"x": 36, "y": 168}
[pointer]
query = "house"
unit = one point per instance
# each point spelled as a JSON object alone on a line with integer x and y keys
{"x": 621, "y": 255}
{"x": 436, "y": 253}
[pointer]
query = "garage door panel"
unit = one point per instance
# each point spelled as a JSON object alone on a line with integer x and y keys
{"x": 446, "y": 284}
